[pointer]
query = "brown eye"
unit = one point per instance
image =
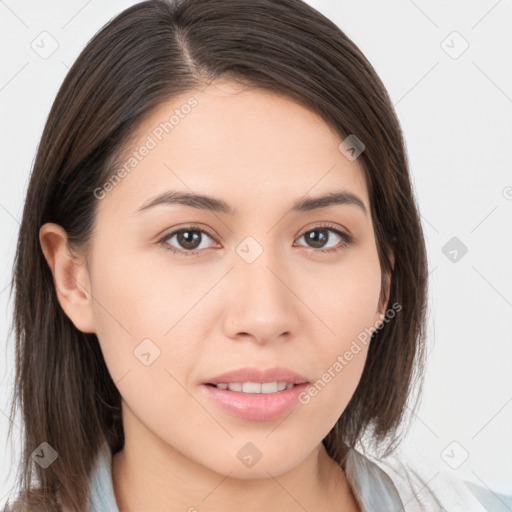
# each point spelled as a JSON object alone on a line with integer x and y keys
{"x": 188, "y": 241}
{"x": 192, "y": 240}
{"x": 318, "y": 237}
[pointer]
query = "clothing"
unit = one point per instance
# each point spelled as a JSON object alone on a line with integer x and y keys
{"x": 397, "y": 486}
{"x": 378, "y": 486}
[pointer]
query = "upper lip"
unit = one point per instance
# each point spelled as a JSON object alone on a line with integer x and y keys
{"x": 277, "y": 373}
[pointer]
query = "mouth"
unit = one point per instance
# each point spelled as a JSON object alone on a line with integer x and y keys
{"x": 255, "y": 401}
{"x": 257, "y": 380}
{"x": 256, "y": 394}
{"x": 254, "y": 387}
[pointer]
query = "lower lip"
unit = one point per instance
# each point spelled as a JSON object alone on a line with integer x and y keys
{"x": 256, "y": 406}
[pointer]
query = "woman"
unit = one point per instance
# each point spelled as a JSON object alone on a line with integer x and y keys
{"x": 221, "y": 276}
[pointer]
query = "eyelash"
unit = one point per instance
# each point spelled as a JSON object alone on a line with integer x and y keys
{"x": 345, "y": 237}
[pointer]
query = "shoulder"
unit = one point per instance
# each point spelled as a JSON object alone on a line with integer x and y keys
{"x": 426, "y": 487}
{"x": 491, "y": 500}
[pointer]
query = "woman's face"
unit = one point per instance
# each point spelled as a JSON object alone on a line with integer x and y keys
{"x": 247, "y": 289}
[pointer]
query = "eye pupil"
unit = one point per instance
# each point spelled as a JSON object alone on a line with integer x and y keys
{"x": 188, "y": 238}
{"x": 318, "y": 240}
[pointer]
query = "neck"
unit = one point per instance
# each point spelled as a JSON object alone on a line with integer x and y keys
{"x": 147, "y": 477}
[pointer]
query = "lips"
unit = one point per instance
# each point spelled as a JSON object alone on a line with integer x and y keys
{"x": 241, "y": 375}
{"x": 256, "y": 406}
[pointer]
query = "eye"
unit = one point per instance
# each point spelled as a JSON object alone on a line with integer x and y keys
{"x": 319, "y": 235}
{"x": 189, "y": 238}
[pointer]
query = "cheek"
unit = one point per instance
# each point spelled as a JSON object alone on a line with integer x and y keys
{"x": 345, "y": 297}
{"x": 138, "y": 296}
{"x": 133, "y": 310}
{"x": 347, "y": 303}
{"x": 142, "y": 340}
{"x": 143, "y": 310}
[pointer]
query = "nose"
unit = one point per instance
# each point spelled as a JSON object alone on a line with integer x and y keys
{"x": 262, "y": 304}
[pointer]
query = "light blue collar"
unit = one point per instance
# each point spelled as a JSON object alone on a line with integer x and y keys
{"x": 371, "y": 486}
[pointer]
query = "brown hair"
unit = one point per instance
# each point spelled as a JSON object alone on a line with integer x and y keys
{"x": 146, "y": 55}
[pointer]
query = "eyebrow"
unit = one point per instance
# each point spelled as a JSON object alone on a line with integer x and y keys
{"x": 205, "y": 202}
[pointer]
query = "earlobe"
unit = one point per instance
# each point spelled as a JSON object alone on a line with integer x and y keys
{"x": 70, "y": 277}
{"x": 379, "y": 320}
{"x": 391, "y": 256}
{"x": 385, "y": 291}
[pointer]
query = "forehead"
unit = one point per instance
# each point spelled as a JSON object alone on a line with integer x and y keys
{"x": 236, "y": 142}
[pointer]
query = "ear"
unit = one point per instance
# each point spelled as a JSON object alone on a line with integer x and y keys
{"x": 385, "y": 291}
{"x": 70, "y": 277}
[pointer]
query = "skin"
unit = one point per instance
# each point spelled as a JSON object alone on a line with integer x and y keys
{"x": 294, "y": 306}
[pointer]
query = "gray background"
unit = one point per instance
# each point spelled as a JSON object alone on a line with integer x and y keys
{"x": 455, "y": 107}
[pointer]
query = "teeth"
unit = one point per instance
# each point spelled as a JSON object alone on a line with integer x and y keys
{"x": 255, "y": 387}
